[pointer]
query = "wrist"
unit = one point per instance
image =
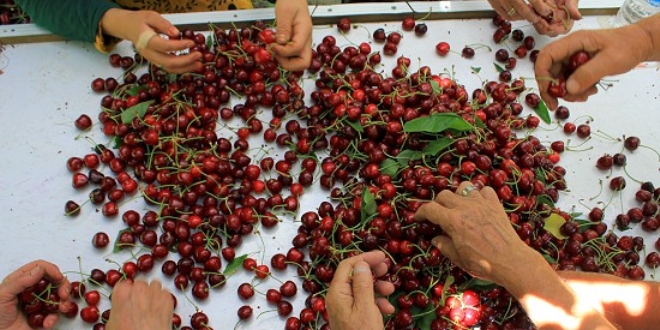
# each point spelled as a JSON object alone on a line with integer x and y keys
{"x": 519, "y": 282}
{"x": 112, "y": 22}
{"x": 650, "y": 27}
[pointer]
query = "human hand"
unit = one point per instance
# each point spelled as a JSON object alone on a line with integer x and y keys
{"x": 550, "y": 17}
{"x": 350, "y": 301}
{"x": 293, "y": 41}
{"x": 142, "y": 28}
{"x": 26, "y": 276}
{"x": 139, "y": 305}
{"x": 612, "y": 51}
{"x": 478, "y": 236}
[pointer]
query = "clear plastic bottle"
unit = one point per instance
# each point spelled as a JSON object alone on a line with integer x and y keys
{"x": 634, "y": 10}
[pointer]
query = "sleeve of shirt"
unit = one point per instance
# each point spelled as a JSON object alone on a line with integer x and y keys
{"x": 72, "y": 19}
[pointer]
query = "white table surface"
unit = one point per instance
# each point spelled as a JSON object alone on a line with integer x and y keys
{"x": 45, "y": 87}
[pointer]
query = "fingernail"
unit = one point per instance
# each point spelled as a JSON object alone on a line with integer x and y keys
{"x": 281, "y": 39}
{"x": 361, "y": 268}
{"x": 35, "y": 271}
{"x": 174, "y": 31}
{"x": 572, "y": 86}
{"x": 435, "y": 241}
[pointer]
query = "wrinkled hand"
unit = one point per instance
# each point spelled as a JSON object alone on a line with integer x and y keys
{"x": 293, "y": 41}
{"x": 549, "y": 17}
{"x": 478, "y": 235}
{"x": 26, "y": 276}
{"x": 131, "y": 25}
{"x": 351, "y": 302}
{"x": 139, "y": 305}
{"x": 612, "y": 51}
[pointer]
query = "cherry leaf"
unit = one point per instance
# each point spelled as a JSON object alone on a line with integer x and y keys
{"x": 477, "y": 284}
{"x": 173, "y": 77}
{"x": 437, "y": 123}
{"x": 368, "y": 206}
{"x": 355, "y": 125}
{"x": 233, "y": 265}
{"x": 479, "y": 122}
{"x": 475, "y": 69}
{"x": 137, "y": 110}
{"x": 543, "y": 113}
{"x": 135, "y": 90}
{"x": 424, "y": 321}
{"x": 544, "y": 199}
{"x": 549, "y": 259}
{"x": 498, "y": 67}
{"x": 389, "y": 167}
{"x": 434, "y": 147}
{"x": 117, "y": 142}
{"x": 407, "y": 155}
{"x": 209, "y": 41}
{"x": 435, "y": 86}
{"x": 118, "y": 246}
{"x": 553, "y": 224}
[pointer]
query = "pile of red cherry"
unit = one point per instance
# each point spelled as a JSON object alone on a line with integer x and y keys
{"x": 387, "y": 142}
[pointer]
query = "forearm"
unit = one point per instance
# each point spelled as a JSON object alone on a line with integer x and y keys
{"x": 628, "y": 304}
{"x": 549, "y": 301}
{"x": 651, "y": 26}
{"x": 72, "y": 19}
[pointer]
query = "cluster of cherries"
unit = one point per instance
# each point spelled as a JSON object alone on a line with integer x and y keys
{"x": 11, "y": 13}
{"x": 210, "y": 193}
{"x": 40, "y": 300}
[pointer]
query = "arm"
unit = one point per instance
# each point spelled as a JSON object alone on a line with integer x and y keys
{"x": 629, "y": 304}
{"x": 480, "y": 239}
{"x": 72, "y": 19}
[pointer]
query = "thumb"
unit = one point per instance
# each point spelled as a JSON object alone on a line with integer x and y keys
{"x": 363, "y": 284}
{"x": 284, "y": 25}
{"x": 588, "y": 75}
{"x": 160, "y": 24}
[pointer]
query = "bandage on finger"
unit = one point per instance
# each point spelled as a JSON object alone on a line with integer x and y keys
{"x": 143, "y": 40}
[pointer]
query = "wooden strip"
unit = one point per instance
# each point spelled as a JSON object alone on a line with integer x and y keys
{"x": 358, "y": 12}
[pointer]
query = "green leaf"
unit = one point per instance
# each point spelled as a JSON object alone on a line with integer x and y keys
{"x": 389, "y": 167}
{"x": 368, "y": 206}
{"x": 118, "y": 246}
{"x": 135, "y": 90}
{"x": 543, "y": 113}
{"x": 434, "y": 147}
{"x": 117, "y": 142}
{"x": 479, "y": 123}
{"x": 209, "y": 41}
{"x": 477, "y": 284}
{"x": 407, "y": 155}
{"x": 356, "y": 125}
{"x": 233, "y": 265}
{"x": 436, "y": 87}
{"x": 553, "y": 224}
{"x": 476, "y": 69}
{"x": 549, "y": 259}
{"x": 544, "y": 199}
{"x": 448, "y": 282}
{"x": 424, "y": 322}
{"x": 172, "y": 77}
{"x": 498, "y": 67}
{"x": 436, "y": 123}
{"x": 137, "y": 110}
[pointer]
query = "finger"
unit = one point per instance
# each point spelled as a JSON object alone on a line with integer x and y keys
{"x": 292, "y": 63}
{"x": 385, "y": 288}
{"x": 300, "y": 40}
{"x": 588, "y": 75}
{"x": 385, "y": 306}
{"x": 524, "y": 11}
{"x": 163, "y": 45}
{"x": 467, "y": 189}
{"x": 541, "y": 8}
{"x": 160, "y": 24}
{"x": 173, "y": 63}
{"x": 446, "y": 246}
{"x": 573, "y": 11}
{"x": 432, "y": 212}
{"x": 121, "y": 291}
{"x": 489, "y": 194}
{"x": 64, "y": 291}
{"x": 50, "y": 321}
{"x": 363, "y": 284}
{"x": 285, "y": 18}
{"x": 372, "y": 258}
{"x": 380, "y": 269}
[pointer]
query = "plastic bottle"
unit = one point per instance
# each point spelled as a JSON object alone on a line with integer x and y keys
{"x": 634, "y": 10}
